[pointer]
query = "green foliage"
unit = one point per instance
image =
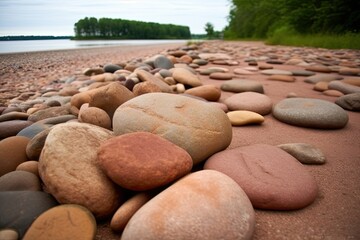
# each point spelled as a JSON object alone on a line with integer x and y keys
{"x": 209, "y": 29}
{"x": 107, "y": 28}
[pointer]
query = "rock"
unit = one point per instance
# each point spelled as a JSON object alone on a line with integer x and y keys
{"x": 13, "y": 116}
{"x": 184, "y": 76}
{"x": 349, "y": 102}
{"x": 111, "y": 68}
{"x": 222, "y": 106}
{"x": 19, "y": 181}
{"x": 67, "y": 91}
{"x": 196, "y": 126}
{"x": 240, "y": 118}
{"x": 241, "y": 71}
{"x": 344, "y": 87}
{"x": 104, "y": 77}
{"x": 304, "y": 153}
{"x": 321, "y": 78}
{"x": 34, "y": 129}
{"x": 163, "y": 62}
{"x": 93, "y": 71}
{"x": 128, "y": 209}
{"x": 333, "y": 93}
{"x": 302, "y": 73}
{"x": 48, "y": 113}
{"x": 11, "y": 109}
{"x": 9, "y": 234}
{"x": 20, "y": 208}
{"x": 69, "y": 169}
{"x": 180, "y": 88}
{"x": 221, "y": 76}
{"x": 123, "y": 160}
{"x": 276, "y": 72}
{"x": 262, "y": 66}
{"x": 36, "y": 144}
{"x": 203, "y": 205}
{"x": 200, "y": 62}
{"x": 13, "y": 127}
{"x": 352, "y": 81}
{"x": 108, "y": 97}
{"x": 282, "y": 78}
{"x": 239, "y": 86}
{"x": 95, "y": 116}
{"x": 148, "y": 77}
{"x": 208, "y": 92}
{"x": 56, "y": 120}
{"x": 215, "y": 56}
{"x": 145, "y": 87}
{"x": 321, "y": 86}
{"x": 29, "y": 166}
{"x": 312, "y": 113}
{"x": 250, "y": 101}
{"x": 68, "y": 221}
{"x": 165, "y": 73}
{"x": 270, "y": 177}
{"x": 12, "y": 153}
{"x": 318, "y": 68}
{"x": 349, "y": 71}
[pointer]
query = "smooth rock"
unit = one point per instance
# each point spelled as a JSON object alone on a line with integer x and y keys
{"x": 239, "y": 86}
{"x": 200, "y": 62}
{"x": 344, "y": 87}
{"x": 250, "y": 101}
{"x": 222, "y": 106}
{"x": 9, "y": 234}
{"x": 148, "y": 77}
{"x": 240, "y": 118}
{"x": 184, "y": 76}
{"x": 69, "y": 168}
{"x": 67, "y": 221}
{"x": 123, "y": 160}
{"x": 333, "y": 93}
{"x": 321, "y": 86}
{"x": 282, "y": 78}
{"x": 349, "y": 71}
{"x": 349, "y": 102}
{"x": 318, "y": 68}
{"x": 208, "y": 92}
{"x": 95, "y": 116}
{"x": 270, "y": 177}
{"x": 34, "y": 129}
{"x": 302, "y": 73}
{"x": 352, "y": 81}
{"x": 276, "y": 72}
{"x": 48, "y": 113}
{"x": 12, "y": 153}
{"x": 111, "y": 68}
{"x": 13, "y": 116}
{"x": 196, "y": 126}
{"x": 19, "y": 181}
{"x": 57, "y": 120}
{"x": 20, "y": 208}
{"x": 163, "y": 62}
{"x": 221, "y": 76}
{"x": 203, "y": 205}
{"x": 13, "y": 127}
{"x": 322, "y": 78}
{"x": 36, "y": 144}
{"x": 241, "y": 71}
{"x": 29, "y": 166}
{"x": 304, "y": 153}
{"x": 145, "y": 87}
{"x": 93, "y": 71}
{"x": 312, "y": 113}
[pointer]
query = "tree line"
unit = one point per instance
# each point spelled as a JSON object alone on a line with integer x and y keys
{"x": 261, "y": 18}
{"x": 108, "y": 28}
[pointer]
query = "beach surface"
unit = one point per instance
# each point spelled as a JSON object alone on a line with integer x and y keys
{"x": 335, "y": 213}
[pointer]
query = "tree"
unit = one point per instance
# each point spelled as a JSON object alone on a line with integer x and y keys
{"x": 209, "y": 29}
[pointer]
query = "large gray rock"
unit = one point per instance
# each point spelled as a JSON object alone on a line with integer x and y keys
{"x": 349, "y": 102}
{"x": 196, "y": 126}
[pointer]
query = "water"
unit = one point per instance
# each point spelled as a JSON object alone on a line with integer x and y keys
{"x": 61, "y": 44}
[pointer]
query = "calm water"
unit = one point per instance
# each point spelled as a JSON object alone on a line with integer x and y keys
{"x": 60, "y": 44}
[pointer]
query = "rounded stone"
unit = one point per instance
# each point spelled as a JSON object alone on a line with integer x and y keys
{"x": 240, "y": 118}
{"x": 48, "y": 113}
{"x": 318, "y": 68}
{"x": 276, "y": 72}
{"x": 13, "y": 116}
{"x": 163, "y": 62}
{"x": 221, "y": 76}
{"x": 9, "y": 234}
{"x": 333, "y": 93}
{"x": 208, "y": 92}
{"x": 344, "y": 87}
{"x": 203, "y": 205}
{"x": 148, "y": 77}
{"x": 304, "y": 153}
{"x": 29, "y": 166}
{"x": 34, "y": 129}
{"x": 123, "y": 160}
{"x": 349, "y": 102}
{"x": 12, "y": 153}
{"x": 145, "y": 87}
{"x": 239, "y": 86}
{"x": 184, "y": 76}
{"x": 196, "y": 126}
{"x": 19, "y": 181}
{"x": 321, "y": 78}
{"x": 312, "y": 113}
{"x": 69, "y": 168}
{"x": 67, "y": 221}
{"x": 241, "y": 71}
{"x": 271, "y": 178}
{"x": 282, "y": 78}
{"x": 321, "y": 86}
{"x": 95, "y": 116}
{"x": 36, "y": 144}
{"x": 250, "y": 101}
{"x": 111, "y": 68}
{"x": 302, "y": 73}
{"x": 13, "y": 127}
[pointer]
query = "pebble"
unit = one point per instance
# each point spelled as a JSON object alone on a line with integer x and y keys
{"x": 270, "y": 177}
{"x": 349, "y": 102}
{"x": 241, "y": 71}
{"x": 111, "y": 68}
{"x": 95, "y": 116}
{"x": 312, "y": 113}
{"x": 34, "y": 129}
{"x": 123, "y": 160}
{"x": 318, "y": 68}
{"x": 304, "y": 153}
{"x": 240, "y": 118}
{"x": 282, "y": 78}
{"x": 208, "y": 92}
{"x": 203, "y": 205}
{"x": 196, "y": 126}
{"x": 93, "y": 71}
{"x": 20, "y": 208}
{"x": 349, "y": 71}
{"x": 321, "y": 86}
{"x": 250, "y": 101}
{"x": 184, "y": 76}
{"x": 13, "y": 116}
{"x": 352, "y": 81}
{"x": 69, "y": 169}
{"x": 9, "y": 234}
{"x": 333, "y": 93}
{"x": 67, "y": 221}
{"x": 321, "y": 78}
{"x": 145, "y": 87}
{"x": 36, "y": 144}
{"x": 302, "y": 73}
{"x": 48, "y": 113}
{"x": 29, "y": 166}
{"x": 200, "y": 62}
{"x": 12, "y": 127}
{"x": 148, "y": 77}
{"x": 12, "y": 153}
{"x": 163, "y": 62}
{"x": 221, "y": 76}
{"x": 276, "y": 72}
{"x": 242, "y": 85}
{"x": 19, "y": 181}
{"x": 344, "y": 87}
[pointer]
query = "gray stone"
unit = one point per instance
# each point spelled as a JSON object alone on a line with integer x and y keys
{"x": 242, "y": 86}
{"x": 305, "y": 153}
{"x": 322, "y": 78}
{"x": 163, "y": 62}
{"x": 344, "y": 87}
{"x": 19, "y": 181}
{"x": 349, "y": 102}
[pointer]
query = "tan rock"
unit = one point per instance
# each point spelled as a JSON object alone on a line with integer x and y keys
{"x": 29, "y": 166}
{"x": 239, "y": 118}
{"x": 145, "y": 87}
{"x": 282, "y": 78}
{"x": 321, "y": 86}
{"x": 184, "y": 76}
{"x": 208, "y": 92}
{"x": 148, "y": 77}
{"x": 95, "y": 116}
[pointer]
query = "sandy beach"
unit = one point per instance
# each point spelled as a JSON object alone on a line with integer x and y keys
{"x": 335, "y": 214}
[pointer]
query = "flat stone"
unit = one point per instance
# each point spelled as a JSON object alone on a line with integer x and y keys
{"x": 221, "y": 76}
{"x": 29, "y": 166}
{"x": 240, "y": 118}
{"x": 241, "y": 71}
{"x": 145, "y": 87}
{"x": 203, "y": 205}
{"x": 271, "y": 178}
{"x": 208, "y": 92}
{"x": 353, "y": 81}
{"x": 184, "y": 76}
{"x": 12, "y": 153}
{"x": 321, "y": 86}
{"x": 57, "y": 119}
{"x": 111, "y": 68}
{"x": 239, "y": 86}
{"x": 349, "y": 71}
{"x": 200, "y": 62}
{"x": 276, "y": 72}
{"x": 69, "y": 169}
{"x": 318, "y": 68}
{"x": 312, "y": 113}
{"x": 123, "y": 160}
{"x": 13, "y": 116}
{"x": 95, "y": 116}
{"x": 322, "y": 78}
{"x": 333, "y": 93}
{"x": 344, "y": 87}
{"x": 67, "y": 221}
{"x": 282, "y": 78}
{"x": 48, "y": 113}
{"x": 302, "y": 73}
{"x": 13, "y": 127}
{"x": 250, "y": 101}
{"x": 9, "y": 234}
{"x": 36, "y": 144}
{"x": 148, "y": 77}
{"x": 20, "y": 208}
{"x": 32, "y": 130}
{"x": 19, "y": 181}
{"x": 215, "y": 56}
{"x": 196, "y": 126}
{"x": 304, "y": 153}
{"x": 349, "y": 102}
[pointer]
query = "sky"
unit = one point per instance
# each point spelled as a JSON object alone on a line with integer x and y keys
{"x": 57, "y": 17}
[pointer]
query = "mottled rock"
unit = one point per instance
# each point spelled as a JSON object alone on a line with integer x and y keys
{"x": 349, "y": 102}
{"x": 304, "y": 153}
{"x": 13, "y": 127}
{"x": 19, "y": 181}
{"x": 196, "y": 126}
{"x": 242, "y": 86}
{"x": 12, "y": 153}
{"x": 250, "y": 101}
{"x": 203, "y": 205}
{"x": 208, "y": 92}
{"x": 184, "y": 76}
{"x": 240, "y": 118}
{"x": 271, "y": 178}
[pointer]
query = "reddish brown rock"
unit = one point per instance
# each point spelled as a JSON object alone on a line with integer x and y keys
{"x": 282, "y": 78}
{"x": 208, "y": 92}
{"x": 48, "y": 113}
{"x": 122, "y": 158}
{"x": 148, "y": 77}
{"x": 221, "y": 76}
{"x": 333, "y": 93}
{"x": 145, "y": 87}
{"x": 318, "y": 68}
{"x": 13, "y": 127}
{"x": 321, "y": 86}
{"x": 251, "y": 101}
{"x": 95, "y": 116}
{"x": 19, "y": 181}
{"x": 184, "y": 76}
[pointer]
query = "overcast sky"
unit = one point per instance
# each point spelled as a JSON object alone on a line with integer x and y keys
{"x": 50, "y": 17}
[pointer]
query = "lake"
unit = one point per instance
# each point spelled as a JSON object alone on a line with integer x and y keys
{"x": 62, "y": 44}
